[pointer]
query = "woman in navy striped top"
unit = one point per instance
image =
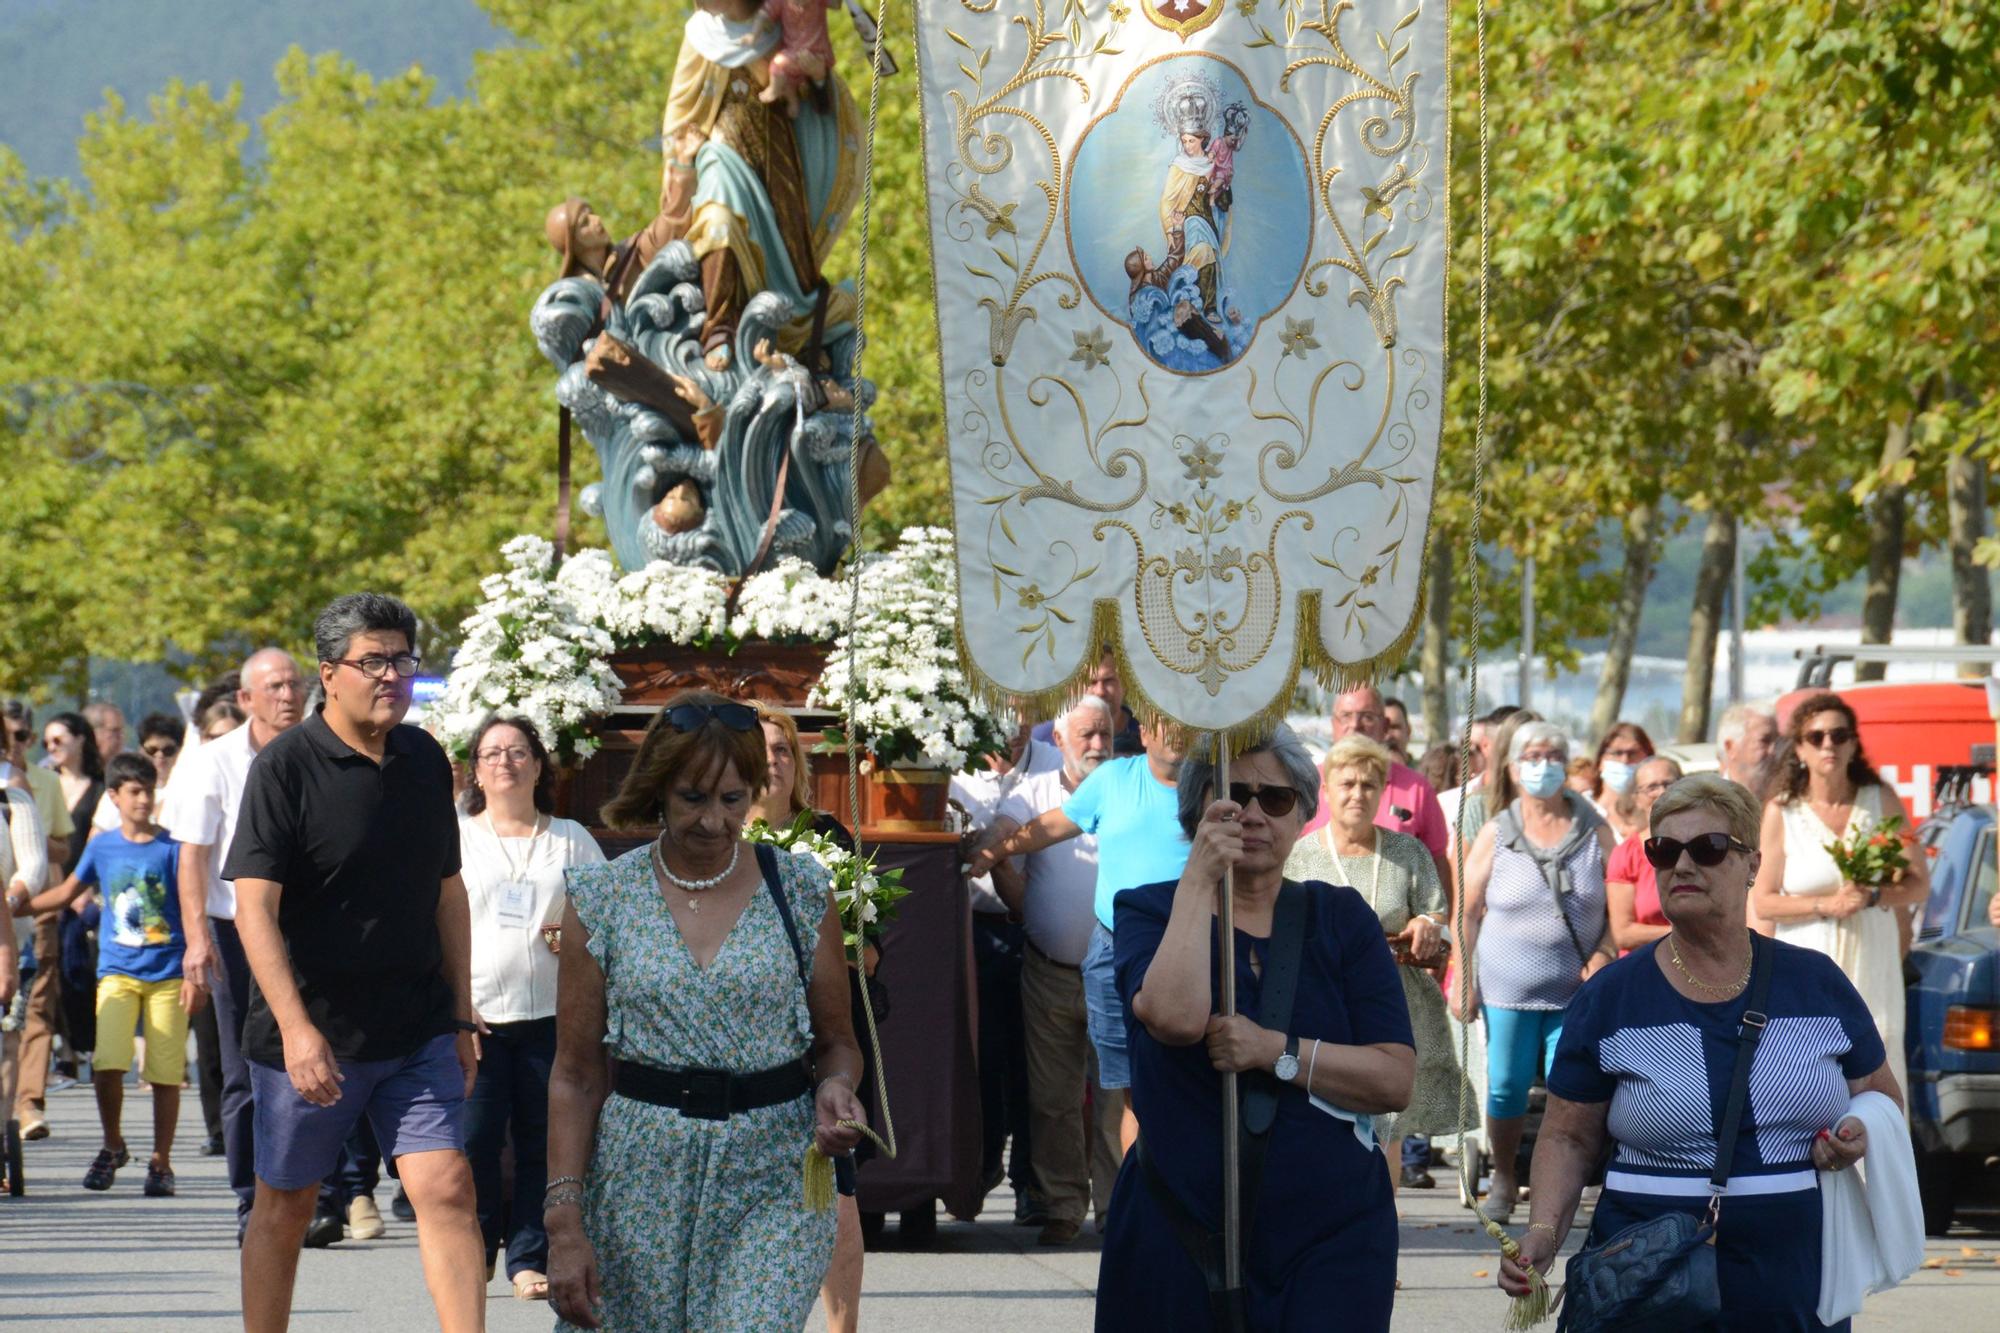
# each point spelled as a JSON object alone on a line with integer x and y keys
{"x": 1645, "y": 1060}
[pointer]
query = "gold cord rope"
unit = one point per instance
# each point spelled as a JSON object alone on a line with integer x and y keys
{"x": 1535, "y": 1307}
{"x": 818, "y": 1169}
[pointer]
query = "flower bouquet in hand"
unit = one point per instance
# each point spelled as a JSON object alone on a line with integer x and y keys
{"x": 1873, "y": 857}
{"x": 866, "y": 897}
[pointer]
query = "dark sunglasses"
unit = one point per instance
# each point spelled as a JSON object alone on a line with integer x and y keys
{"x": 22, "y": 735}
{"x": 1839, "y": 736}
{"x": 692, "y": 717}
{"x": 1707, "y": 850}
{"x": 165, "y": 750}
{"x": 1277, "y": 802}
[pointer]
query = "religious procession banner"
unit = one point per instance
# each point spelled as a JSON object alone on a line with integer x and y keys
{"x": 1190, "y": 270}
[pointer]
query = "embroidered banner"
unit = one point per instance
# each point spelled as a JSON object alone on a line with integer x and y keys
{"x": 1190, "y": 268}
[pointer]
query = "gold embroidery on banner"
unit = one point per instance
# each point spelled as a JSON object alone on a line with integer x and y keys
{"x": 1211, "y": 603}
{"x": 1182, "y": 18}
{"x": 1378, "y": 288}
{"x": 984, "y": 151}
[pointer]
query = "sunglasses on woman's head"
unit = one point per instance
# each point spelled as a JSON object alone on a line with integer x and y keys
{"x": 1706, "y": 850}
{"x": 1277, "y": 802}
{"x": 1837, "y": 736}
{"x": 691, "y": 717}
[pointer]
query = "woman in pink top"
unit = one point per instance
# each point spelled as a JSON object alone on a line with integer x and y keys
{"x": 1631, "y": 897}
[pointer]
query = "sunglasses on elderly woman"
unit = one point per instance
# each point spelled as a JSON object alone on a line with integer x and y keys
{"x": 692, "y": 717}
{"x": 1707, "y": 850}
{"x": 1277, "y": 802}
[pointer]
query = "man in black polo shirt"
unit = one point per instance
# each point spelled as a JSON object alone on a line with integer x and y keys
{"x": 352, "y": 913}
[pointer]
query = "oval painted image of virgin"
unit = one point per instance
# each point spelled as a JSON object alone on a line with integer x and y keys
{"x": 1189, "y": 213}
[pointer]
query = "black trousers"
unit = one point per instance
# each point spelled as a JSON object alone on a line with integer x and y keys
{"x": 231, "y": 999}
{"x": 998, "y": 947}
{"x": 512, "y": 1093}
{"x": 208, "y": 1069}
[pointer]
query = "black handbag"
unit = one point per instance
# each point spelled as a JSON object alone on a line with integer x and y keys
{"x": 1659, "y": 1275}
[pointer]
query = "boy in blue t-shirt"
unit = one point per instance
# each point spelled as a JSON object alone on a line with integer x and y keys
{"x": 139, "y": 946}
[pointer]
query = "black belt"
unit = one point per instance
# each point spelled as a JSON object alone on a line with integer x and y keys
{"x": 711, "y": 1094}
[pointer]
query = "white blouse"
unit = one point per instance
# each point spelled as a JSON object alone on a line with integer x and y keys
{"x": 515, "y": 887}
{"x": 24, "y": 853}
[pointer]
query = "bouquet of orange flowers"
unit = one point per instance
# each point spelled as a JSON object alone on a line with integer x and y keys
{"x": 1875, "y": 856}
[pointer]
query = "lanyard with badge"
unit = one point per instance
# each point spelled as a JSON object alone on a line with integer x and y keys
{"x": 514, "y": 896}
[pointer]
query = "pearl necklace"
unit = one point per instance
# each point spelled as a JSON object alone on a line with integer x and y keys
{"x": 692, "y": 887}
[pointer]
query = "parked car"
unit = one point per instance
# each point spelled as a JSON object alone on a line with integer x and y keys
{"x": 1953, "y": 1032}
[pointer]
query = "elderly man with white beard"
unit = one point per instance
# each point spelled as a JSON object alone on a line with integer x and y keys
{"x": 1054, "y": 892}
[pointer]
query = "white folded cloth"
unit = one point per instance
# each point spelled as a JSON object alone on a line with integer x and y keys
{"x": 1871, "y": 1220}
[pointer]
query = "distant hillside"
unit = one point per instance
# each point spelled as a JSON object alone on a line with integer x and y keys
{"x": 58, "y": 56}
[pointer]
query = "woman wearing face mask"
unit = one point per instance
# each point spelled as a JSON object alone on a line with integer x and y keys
{"x": 1619, "y": 753}
{"x": 1826, "y": 792}
{"x": 1535, "y": 922}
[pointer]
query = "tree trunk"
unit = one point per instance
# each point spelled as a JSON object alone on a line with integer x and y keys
{"x": 1888, "y": 515}
{"x": 1441, "y": 727}
{"x": 1642, "y": 548}
{"x": 1971, "y": 594}
{"x": 1711, "y": 583}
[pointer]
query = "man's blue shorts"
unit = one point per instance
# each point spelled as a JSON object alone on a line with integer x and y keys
{"x": 415, "y": 1103}
{"x": 1104, "y": 1012}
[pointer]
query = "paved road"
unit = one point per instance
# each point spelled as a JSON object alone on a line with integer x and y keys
{"x": 120, "y": 1262}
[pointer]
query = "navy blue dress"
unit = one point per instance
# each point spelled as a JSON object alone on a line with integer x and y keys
{"x": 1321, "y": 1249}
{"x": 1664, "y": 1063}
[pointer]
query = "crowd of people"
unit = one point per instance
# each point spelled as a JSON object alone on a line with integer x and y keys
{"x": 390, "y": 961}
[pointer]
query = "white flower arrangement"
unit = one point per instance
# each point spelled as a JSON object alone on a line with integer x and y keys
{"x": 912, "y": 703}
{"x": 529, "y": 651}
{"x": 540, "y": 644}
{"x": 865, "y": 897}
{"x": 679, "y": 603}
{"x": 790, "y": 602}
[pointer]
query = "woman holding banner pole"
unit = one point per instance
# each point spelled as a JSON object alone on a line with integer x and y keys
{"x": 1321, "y": 1043}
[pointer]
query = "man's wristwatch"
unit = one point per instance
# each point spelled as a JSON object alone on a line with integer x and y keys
{"x": 1287, "y": 1067}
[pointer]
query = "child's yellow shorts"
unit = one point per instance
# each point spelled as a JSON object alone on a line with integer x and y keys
{"x": 121, "y": 1003}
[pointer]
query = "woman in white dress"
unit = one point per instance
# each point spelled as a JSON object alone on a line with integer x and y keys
{"x": 1824, "y": 793}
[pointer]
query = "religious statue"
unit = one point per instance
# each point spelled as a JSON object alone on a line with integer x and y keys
{"x": 707, "y": 357}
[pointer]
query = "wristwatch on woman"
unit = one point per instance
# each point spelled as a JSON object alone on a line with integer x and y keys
{"x": 1875, "y": 896}
{"x": 1287, "y": 1067}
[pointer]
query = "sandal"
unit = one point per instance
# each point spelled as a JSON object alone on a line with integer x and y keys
{"x": 530, "y": 1286}
{"x": 104, "y": 1168}
{"x": 159, "y": 1183}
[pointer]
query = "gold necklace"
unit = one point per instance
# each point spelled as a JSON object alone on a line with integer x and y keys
{"x": 1727, "y": 988}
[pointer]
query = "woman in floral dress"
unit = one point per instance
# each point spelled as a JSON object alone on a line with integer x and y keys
{"x": 676, "y": 1199}
{"x": 1397, "y": 876}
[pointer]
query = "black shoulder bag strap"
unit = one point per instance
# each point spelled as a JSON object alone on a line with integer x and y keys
{"x": 1748, "y": 1033}
{"x": 1259, "y": 1095}
{"x": 767, "y": 861}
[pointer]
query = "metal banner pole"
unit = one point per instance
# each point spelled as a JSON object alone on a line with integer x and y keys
{"x": 1232, "y": 1130}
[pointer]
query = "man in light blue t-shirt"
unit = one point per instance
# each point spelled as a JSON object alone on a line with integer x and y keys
{"x": 1130, "y": 807}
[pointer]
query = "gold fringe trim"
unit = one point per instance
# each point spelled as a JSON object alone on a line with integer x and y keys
{"x": 1107, "y": 627}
